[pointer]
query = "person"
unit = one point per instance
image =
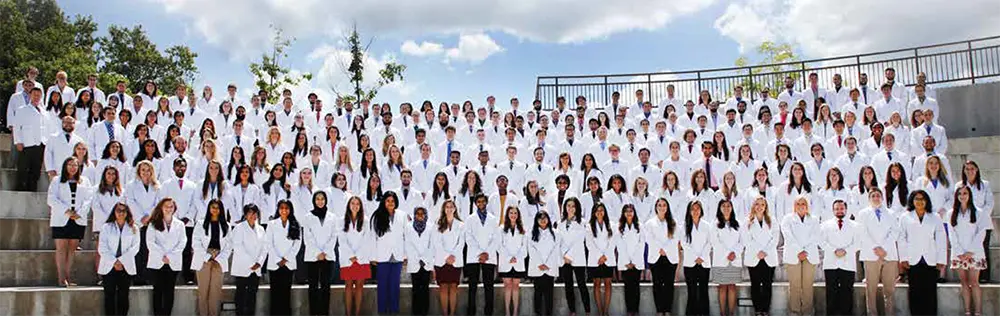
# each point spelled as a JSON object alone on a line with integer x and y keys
{"x": 449, "y": 240}
{"x": 353, "y": 242}
{"x": 761, "y": 254}
{"x": 212, "y": 248}
{"x": 727, "y": 245}
{"x": 543, "y": 248}
{"x": 923, "y": 252}
{"x": 840, "y": 240}
{"x": 664, "y": 251}
{"x": 482, "y": 240}
{"x": 600, "y": 242}
{"x": 183, "y": 190}
{"x": 107, "y": 194}
{"x": 697, "y": 245}
{"x": 571, "y": 245}
{"x": 249, "y": 253}
{"x": 968, "y": 256}
{"x": 878, "y": 251}
{"x": 68, "y": 199}
{"x": 631, "y": 245}
{"x": 284, "y": 237}
{"x": 117, "y": 264}
{"x": 801, "y": 254}
{"x": 320, "y": 241}
{"x": 936, "y": 182}
{"x": 982, "y": 197}
{"x": 511, "y": 256}
{"x": 166, "y": 246}
{"x": 419, "y": 260}
{"x": 389, "y": 252}
{"x": 30, "y": 129}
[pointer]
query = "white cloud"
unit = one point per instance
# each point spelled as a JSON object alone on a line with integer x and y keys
{"x": 424, "y": 49}
{"x": 823, "y": 28}
{"x": 241, "y": 27}
{"x": 473, "y": 48}
{"x": 331, "y": 78}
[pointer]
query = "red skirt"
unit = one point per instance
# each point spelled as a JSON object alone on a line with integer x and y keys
{"x": 448, "y": 274}
{"x": 356, "y": 272}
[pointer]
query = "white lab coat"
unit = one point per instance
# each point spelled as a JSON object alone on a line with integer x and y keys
{"x": 482, "y": 237}
{"x": 249, "y": 248}
{"x": 832, "y": 238}
{"x": 601, "y": 245}
{"x": 419, "y": 247}
{"x": 60, "y": 200}
{"x": 800, "y": 235}
{"x": 514, "y": 245}
{"x": 200, "y": 246}
{"x": 726, "y": 240}
{"x": 354, "y": 243}
{"x": 572, "y": 242}
{"x": 141, "y": 200}
{"x": 544, "y": 251}
{"x": 111, "y": 237}
{"x": 101, "y": 207}
{"x": 167, "y": 243}
{"x": 876, "y": 232}
{"x": 279, "y": 246}
{"x": 320, "y": 236}
{"x": 658, "y": 238}
{"x": 391, "y": 244}
{"x": 449, "y": 243}
{"x": 922, "y": 239}
{"x": 237, "y": 197}
{"x": 57, "y": 149}
{"x": 757, "y": 237}
{"x": 968, "y": 236}
{"x": 630, "y": 244}
{"x": 699, "y": 245}
{"x": 184, "y": 197}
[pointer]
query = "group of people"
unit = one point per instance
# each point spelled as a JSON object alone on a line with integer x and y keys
{"x": 191, "y": 187}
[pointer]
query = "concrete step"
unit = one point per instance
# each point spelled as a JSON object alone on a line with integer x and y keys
{"x": 8, "y": 180}
{"x": 38, "y": 268}
{"x": 23, "y": 205}
{"x": 7, "y": 159}
{"x": 89, "y": 300}
{"x": 33, "y": 234}
{"x": 6, "y": 142}
{"x": 989, "y": 144}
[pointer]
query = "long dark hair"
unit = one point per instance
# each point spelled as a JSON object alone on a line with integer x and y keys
{"x": 271, "y": 179}
{"x": 536, "y": 232}
{"x": 294, "y": 229}
{"x": 623, "y": 222}
{"x": 106, "y": 153}
{"x": 64, "y": 175}
{"x": 593, "y": 219}
{"x": 517, "y": 226}
{"x": 438, "y": 193}
{"x": 977, "y": 178}
{"x": 359, "y": 221}
{"x": 220, "y": 181}
{"x": 899, "y": 187}
{"x": 104, "y": 187}
{"x": 720, "y": 218}
{"x": 141, "y": 155}
{"x": 927, "y": 198}
{"x": 223, "y": 220}
{"x": 380, "y": 218}
{"x": 156, "y": 217}
{"x": 689, "y": 220}
{"x": 577, "y": 206}
{"x": 233, "y": 162}
{"x": 477, "y": 188}
{"x": 957, "y": 207}
{"x": 802, "y": 183}
{"x": 250, "y": 208}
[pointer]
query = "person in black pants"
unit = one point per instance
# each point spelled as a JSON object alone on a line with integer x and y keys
{"x": 927, "y": 252}
{"x": 281, "y": 291}
{"x": 487, "y": 273}
{"x": 840, "y": 240}
{"x": 319, "y": 287}
{"x": 761, "y": 279}
{"x": 696, "y": 278}
{"x": 567, "y": 273}
{"x": 116, "y": 288}
{"x": 29, "y": 167}
{"x": 30, "y": 129}
{"x": 187, "y": 274}
{"x": 663, "y": 273}
{"x": 421, "y": 292}
{"x": 246, "y": 294}
{"x": 662, "y": 237}
{"x": 543, "y": 286}
{"x": 164, "y": 282}
{"x": 481, "y": 254}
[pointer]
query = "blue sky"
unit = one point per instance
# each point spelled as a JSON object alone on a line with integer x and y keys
{"x": 468, "y": 51}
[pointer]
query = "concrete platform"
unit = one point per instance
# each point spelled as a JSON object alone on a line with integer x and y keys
{"x": 38, "y": 268}
{"x": 8, "y": 177}
{"x": 33, "y": 234}
{"x": 89, "y": 300}
{"x": 23, "y": 205}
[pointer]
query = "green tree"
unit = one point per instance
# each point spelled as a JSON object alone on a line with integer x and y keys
{"x": 130, "y": 53}
{"x": 269, "y": 74}
{"x": 390, "y": 72}
{"x": 36, "y": 33}
{"x": 777, "y": 60}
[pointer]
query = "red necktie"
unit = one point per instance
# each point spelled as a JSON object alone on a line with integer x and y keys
{"x": 840, "y": 224}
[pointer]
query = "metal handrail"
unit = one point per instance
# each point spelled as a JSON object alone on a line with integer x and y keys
{"x": 967, "y": 62}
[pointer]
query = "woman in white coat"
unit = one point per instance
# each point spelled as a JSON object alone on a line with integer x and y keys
{"x": 934, "y": 181}
{"x": 212, "y": 248}
{"x": 801, "y": 254}
{"x": 69, "y": 197}
{"x": 511, "y": 256}
{"x": 572, "y": 246}
{"x": 388, "y": 226}
{"x": 543, "y": 249}
{"x": 166, "y": 243}
{"x": 117, "y": 263}
{"x": 284, "y": 238}
{"x": 249, "y": 253}
{"x": 982, "y": 197}
{"x": 141, "y": 195}
{"x": 108, "y": 194}
{"x": 420, "y": 260}
{"x": 631, "y": 246}
{"x": 449, "y": 238}
{"x": 354, "y": 239}
{"x": 697, "y": 245}
{"x": 968, "y": 254}
{"x": 664, "y": 254}
{"x": 727, "y": 247}
{"x": 760, "y": 242}
{"x": 601, "y": 242}
{"x": 242, "y": 193}
{"x": 320, "y": 241}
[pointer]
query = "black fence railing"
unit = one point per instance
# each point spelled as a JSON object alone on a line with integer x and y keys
{"x": 946, "y": 64}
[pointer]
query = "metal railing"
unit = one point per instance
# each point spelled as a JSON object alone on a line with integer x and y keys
{"x": 946, "y": 64}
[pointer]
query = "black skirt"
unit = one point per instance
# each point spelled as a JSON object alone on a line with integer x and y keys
{"x": 601, "y": 271}
{"x": 71, "y": 230}
{"x": 513, "y": 274}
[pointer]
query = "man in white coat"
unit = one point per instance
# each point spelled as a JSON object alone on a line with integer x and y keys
{"x": 183, "y": 191}
{"x": 424, "y": 169}
{"x": 878, "y": 252}
{"x": 840, "y": 240}
{"x": 103, "y": 133}
{"x": 60, "y": 147}
{"x": 482, "y": 239}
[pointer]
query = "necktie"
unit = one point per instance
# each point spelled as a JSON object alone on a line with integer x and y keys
{"x": 192, "y": 111}
{"x": 406, "y": 123}
{"x": 67, "y": 137}
{"x": 406, "y": 193}
{"x": 878, "y": 214}
{"x": 840, "y": 141}
{"x": 180, "y": 183}
{"x": 111, "y": 131}
{"x": 690, "y": 148}
{"x": 121, "y": 99}
{"x": 889, "y": 153}
{"x": 118, "y": 253}
{"x": 661, "y": 139}
{"x": 484, "y": 171}
{"x": 864, "y": 92}
{"x": 708, "y": 172}
{"x": 317, "y": 116}
{"x": 840, "y": 224}
{"x": 237, "y": 139}
{"x": 425, "y": 164}
{"x": 928, "y": 128}
{"x": 449, "y": 153}
{"x": 644, "y": 167}
{"x": 454, "y": 169}
{"x": 602, "y": 145}
{"x": 511, "y": 165}
{"x": 480, "y": 147}
{"x": 673, "y": 128}
{"x": 539, "y": 168}
{"x": 631, "y": 147}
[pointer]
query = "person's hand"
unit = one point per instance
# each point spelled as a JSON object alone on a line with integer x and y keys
{"x": 145, "y": 220}
{"x": 255, "y": 267}
{"x": 513, "y": 260}
{"x": 373, "y": 263}
{"x": 880, "y": 252}
{"x": 630, "y": 266}
{"x": 165, "y": 260}
{"x": 567, "y": 260}
{"x": 282, "y": 262}
{"x": 543, "y": 267}
{"x": 731, "y": 256}
{"x": 840, "y": 253}
{"x": 321, "y": 256}
{"x": 52, "y": 174}
{"x": 663, "y": 253}
{"x": 119, "y": 266}
{"x": 803, "y": 255}
{"x": 483, "y": 257}
{"x": 761, "y": 255}
{"x": 904, "y": 265}
{"x": 698, "y": 261}
{"x": 354, "y": 260}
{"x": 602, "y": 260}
{"x": 185, "y": 220}
{"x": 287, "y": 187}
{"x": 20, "y": 147}
{"x": 450, "y": 260}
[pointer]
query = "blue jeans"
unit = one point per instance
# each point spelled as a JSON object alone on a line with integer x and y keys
{"x": 387, "y": 275}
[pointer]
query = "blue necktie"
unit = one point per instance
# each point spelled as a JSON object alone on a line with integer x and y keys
{"x": 425, "y": 164}
{"x": 449, "y": 153}
{"x": 111, "y": 131}
{"x": 878, "y": 214}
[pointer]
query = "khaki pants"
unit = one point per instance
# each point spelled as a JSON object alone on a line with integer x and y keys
{"x": 886, "y": 273}
{"x": 209, "y": 288}
{"x": 800, "y": 287}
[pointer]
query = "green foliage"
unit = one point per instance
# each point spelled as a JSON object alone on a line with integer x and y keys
{"x": 130, "y": 53}
{"x": 777, "y": 61}
{"x": 390, "y": 72}
{"x": 37, "y": 33}
{"x": 269, "y": 74}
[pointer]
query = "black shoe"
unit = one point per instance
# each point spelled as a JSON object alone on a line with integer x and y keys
{"x": 942, "y": 280}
